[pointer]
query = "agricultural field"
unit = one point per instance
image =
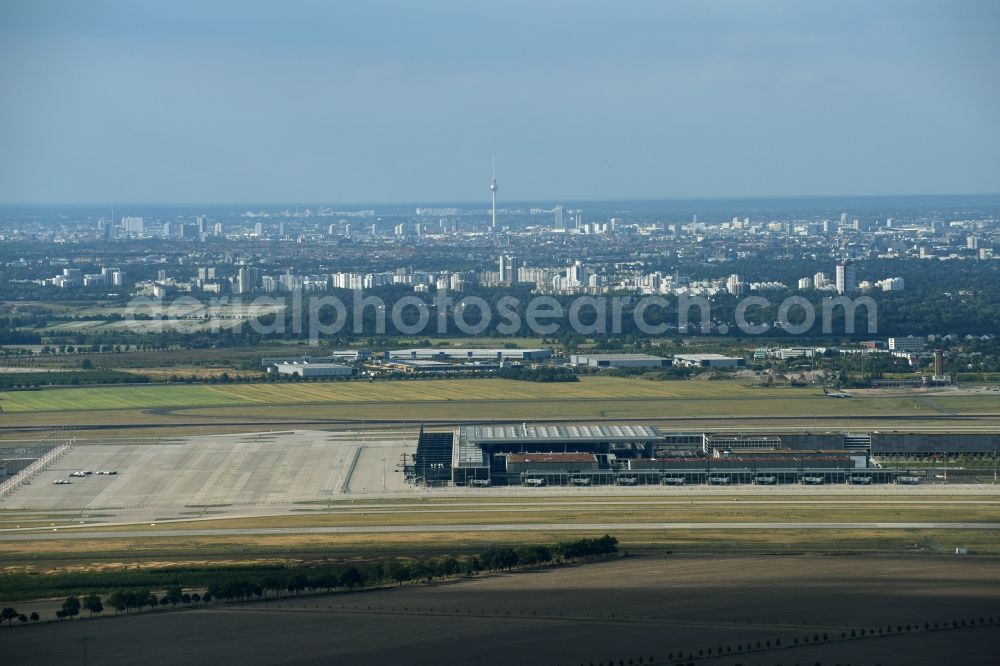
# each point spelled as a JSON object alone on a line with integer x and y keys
{"x": 750, "y": 609}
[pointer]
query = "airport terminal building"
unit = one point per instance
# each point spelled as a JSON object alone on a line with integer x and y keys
{"x": 584, "y": 455}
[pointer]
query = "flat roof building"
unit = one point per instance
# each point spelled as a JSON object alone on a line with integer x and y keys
{"x": 344, "y": 356}
{"x": 517, "y": 437}
{"x": 619, "y": 360}
{"x": 550, "y": 463}
{"x": 307, "y": 370}
{"x": 909, "y": 343}
{"x": 708, "y": 361}
{"x": 421, "y": 365}
{"x": 454, "y": 354}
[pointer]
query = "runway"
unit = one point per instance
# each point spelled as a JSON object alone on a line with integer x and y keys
{"x": 83, "y": 533}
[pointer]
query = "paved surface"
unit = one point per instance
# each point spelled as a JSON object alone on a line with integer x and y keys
{"x": 305, "y": 471}
{"x": 262, "y": 468}
{"x": 501, "y": 527}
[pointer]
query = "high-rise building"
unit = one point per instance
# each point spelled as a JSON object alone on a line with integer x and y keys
{"x": 847, "y": 281}
{"x": 133, "y": 225}
{"x": 559, "y": 217}
{"x": 509, "y": 266}
{"x": 246, "y": 280}
{"x": 577, "y": 274}
{"x": 733, "y": 284}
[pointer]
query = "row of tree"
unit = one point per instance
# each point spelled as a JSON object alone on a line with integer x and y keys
{"x": 258, "y": 583}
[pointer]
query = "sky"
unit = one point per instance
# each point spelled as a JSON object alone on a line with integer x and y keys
{"x": 185, "y": 101}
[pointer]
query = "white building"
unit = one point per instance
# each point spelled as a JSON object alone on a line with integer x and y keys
{"x": 708, "y": 361}
{"x": 133, "y": 225}
{"x": 733, "y": 284}
{"x": 890, "y": 284}
{"x": 452, "y": 353}
{"x": 306, "y": 370}
{"x": 847, "y": 281}
{"x": 619, "y": 360}
{"x": 908, "y": 344}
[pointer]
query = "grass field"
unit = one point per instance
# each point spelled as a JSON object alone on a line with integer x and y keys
{"x": 123, "y": 548}
{"x": 181, "y": 550}
{"x": 172, "y": 409}
{"x": 714, "y": 396}
{"x": 122, "y": 397}
{"x": 541, "y": 511}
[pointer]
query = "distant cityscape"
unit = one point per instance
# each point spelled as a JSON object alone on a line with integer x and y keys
{"x": 550, "y": 250}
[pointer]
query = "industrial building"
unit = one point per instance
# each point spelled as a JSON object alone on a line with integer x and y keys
{"x": 421, "y": 365}
{"x": 619, "y": 361}
{"x": 339, "y": 356}
{"x": 584, "y": 455}
{"x": 307, "y": 370}
{"x": 708, "y": 361}
{"x": 456, "y": 354}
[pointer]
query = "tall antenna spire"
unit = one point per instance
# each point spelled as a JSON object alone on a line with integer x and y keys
{"x": 493, "y": 192}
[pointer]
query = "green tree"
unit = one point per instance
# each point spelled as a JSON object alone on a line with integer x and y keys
{"x": 33, "y": 617}
{"x": 352, "y": 578}
{"x": 8, "y": 614}
{"x": 71, "y": 607}
{"x": 397, "y": 571}
{"x": 117, "y": 601}
{"x": 92, "y": 603}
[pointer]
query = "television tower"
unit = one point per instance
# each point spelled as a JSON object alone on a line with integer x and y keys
{"x": 493, "y": 192}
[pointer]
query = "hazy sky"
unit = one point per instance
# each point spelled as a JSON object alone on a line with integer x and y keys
{"x": 215, "y": 101}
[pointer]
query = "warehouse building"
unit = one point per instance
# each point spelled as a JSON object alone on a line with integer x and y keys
{"x": 456, "y": 354}
{"x": 619, "y": 361}
{"x": 708, "y": 361}
{"x": 313, "y": 370}
{"x": 425, "y": 366}
{"x": 340, "y": 356}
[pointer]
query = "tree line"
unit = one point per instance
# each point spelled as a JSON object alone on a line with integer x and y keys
{"x": 132, "y": 589}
